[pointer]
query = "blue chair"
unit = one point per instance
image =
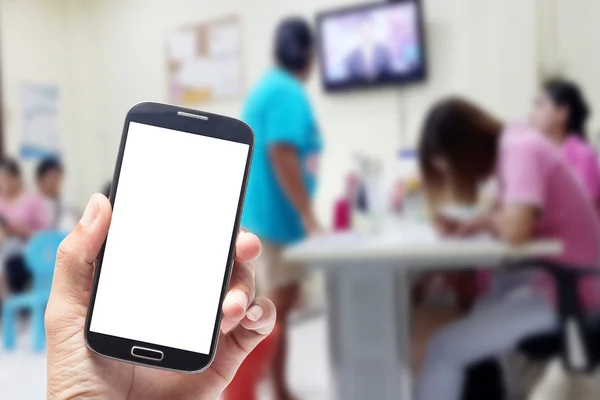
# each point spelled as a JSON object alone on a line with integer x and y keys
{"x": 40, "y": 257}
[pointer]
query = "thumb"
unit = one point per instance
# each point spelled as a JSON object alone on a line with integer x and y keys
{"x": 77, "y": 253}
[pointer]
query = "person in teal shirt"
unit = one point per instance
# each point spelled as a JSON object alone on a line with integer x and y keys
{"x": 278, "y": 206}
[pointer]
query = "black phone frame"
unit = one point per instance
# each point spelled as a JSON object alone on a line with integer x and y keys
{"x": 196, "y": 123}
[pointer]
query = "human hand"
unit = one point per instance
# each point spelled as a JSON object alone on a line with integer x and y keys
{"x": 471, "y": 227}
{"x": 14, "y": 230}
{"x": 461, "y": 228}
{"x": 445, "y": 225}
{"x": 75, "y": 372}
{"x": 312, "y": 226}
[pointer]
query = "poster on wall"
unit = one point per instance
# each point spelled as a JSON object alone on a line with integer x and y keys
{"x": 204, "y": 62}
{"x": 40, "y": 136}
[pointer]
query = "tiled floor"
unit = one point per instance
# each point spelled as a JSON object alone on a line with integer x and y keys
{"x": 23, "y": 373}
{"x": 309, "y": 374}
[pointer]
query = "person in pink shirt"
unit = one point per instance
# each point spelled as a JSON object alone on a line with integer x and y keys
{"x": 560, "y": 112}
{"x": 22, "y": 213}
{"x": 461, "y": 147}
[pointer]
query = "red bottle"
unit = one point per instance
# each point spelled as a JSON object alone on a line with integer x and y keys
{"x": 341, "y": 218}
{"x": 342, "y": 213}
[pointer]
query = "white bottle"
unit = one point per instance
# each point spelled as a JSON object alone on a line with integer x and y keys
{"x": 366, "y": 204}
{"x": 407, "y": 173}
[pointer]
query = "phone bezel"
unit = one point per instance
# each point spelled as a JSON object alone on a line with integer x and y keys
{"x": 197, "y": 123}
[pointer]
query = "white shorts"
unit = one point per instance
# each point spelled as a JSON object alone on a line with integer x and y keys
{"x": 272, "y": 272}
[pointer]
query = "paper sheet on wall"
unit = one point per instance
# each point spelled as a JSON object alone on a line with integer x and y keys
{"x": 226, "y": 73}
{"x": 224, "y": 39}
{"x": 196, "y": 73}
{"x": 182, "y": 46}
{"x": 40, "y": 134}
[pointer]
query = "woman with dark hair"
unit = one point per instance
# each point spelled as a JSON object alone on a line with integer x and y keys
{"x": 22, "y": 213}
{"x": 278, "y": 205}
{"x": 462, "y": 147}
{"x": 561, "y": 112}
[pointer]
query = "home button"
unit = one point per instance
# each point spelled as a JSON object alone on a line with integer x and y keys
{"x": 148, "y": 354}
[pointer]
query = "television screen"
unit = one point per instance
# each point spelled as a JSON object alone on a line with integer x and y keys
{"x": 375, "y": 44}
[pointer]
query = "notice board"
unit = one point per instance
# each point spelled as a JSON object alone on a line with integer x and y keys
{"x": 204, "y": 62}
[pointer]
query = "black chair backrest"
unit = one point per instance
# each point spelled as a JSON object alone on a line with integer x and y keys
{"x": 576, "y": 328}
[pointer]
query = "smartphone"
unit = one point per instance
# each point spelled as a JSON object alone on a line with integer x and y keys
{"x": 162, "y": 274}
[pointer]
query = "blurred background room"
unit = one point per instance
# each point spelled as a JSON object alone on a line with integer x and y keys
{"x": 425, "y": 182}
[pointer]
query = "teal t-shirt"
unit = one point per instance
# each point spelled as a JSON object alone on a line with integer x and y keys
{"x": 279, "y": 111}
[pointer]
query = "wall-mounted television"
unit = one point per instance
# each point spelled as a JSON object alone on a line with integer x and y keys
{"x": 372, "y": 45}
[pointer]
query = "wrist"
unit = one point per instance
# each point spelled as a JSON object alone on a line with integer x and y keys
{"x": 64, "y": 382}
{"x": 308, "y": 218}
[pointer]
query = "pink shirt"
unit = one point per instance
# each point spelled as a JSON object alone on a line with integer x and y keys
{"x": 584, "y": 163}
{"x": 29, "y": 211}
{"x": 531, "y": 170}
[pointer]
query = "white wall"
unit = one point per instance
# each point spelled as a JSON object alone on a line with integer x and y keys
{"x": 485, "y": 49}
{"x": 34, "y": 50}
{"x": 576, "y": 36}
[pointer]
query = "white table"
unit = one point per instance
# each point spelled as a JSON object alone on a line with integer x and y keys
{"x": 368, "y": 297}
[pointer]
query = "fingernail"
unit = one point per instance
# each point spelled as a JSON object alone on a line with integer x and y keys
{"x": 238, "y": 297}
{"x": 90, "y": 214}
{"x": 248, "y": 233}
{"x": 254, "y": 313}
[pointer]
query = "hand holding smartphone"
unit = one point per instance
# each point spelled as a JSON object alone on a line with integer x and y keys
{"x": 162, "y": 275}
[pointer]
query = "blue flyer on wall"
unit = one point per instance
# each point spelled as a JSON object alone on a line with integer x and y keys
{"x": 40, "y": 121}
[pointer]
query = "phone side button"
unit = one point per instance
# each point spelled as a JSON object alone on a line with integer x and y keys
{"x": 148, "y": 354}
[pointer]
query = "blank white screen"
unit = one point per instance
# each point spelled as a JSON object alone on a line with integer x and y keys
{"x": 167, "y": 247}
